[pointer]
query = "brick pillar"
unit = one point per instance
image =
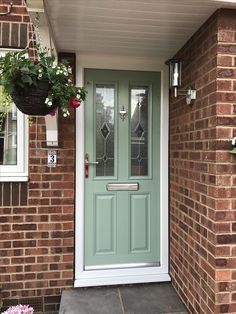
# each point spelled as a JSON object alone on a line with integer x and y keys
{"x": 225, "y": 191}
{"x": 202, "y": 183}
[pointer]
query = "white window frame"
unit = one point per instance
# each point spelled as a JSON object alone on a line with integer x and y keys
{"x": 18, "y": 172}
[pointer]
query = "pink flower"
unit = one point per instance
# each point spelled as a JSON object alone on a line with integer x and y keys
{"x": 74, "y": 103}
{"x": 19, "y": 309}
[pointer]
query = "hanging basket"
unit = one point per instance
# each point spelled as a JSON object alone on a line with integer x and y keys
{"x": 33, "y": 102}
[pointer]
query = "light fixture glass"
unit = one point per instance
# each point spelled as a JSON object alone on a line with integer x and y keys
{"x": 175, "y": 70}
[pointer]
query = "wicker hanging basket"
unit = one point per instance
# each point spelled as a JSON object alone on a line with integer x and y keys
{"x": 33, "y": 102}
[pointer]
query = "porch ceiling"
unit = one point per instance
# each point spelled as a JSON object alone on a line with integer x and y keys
{"x": 128, "y": 27}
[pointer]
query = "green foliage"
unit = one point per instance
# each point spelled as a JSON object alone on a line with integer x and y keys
{"x": 5, "y": 105}
{"x": 18, "y": 74}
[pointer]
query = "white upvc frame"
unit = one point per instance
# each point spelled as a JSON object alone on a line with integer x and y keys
{"x": 18, "y": 172}
{"x": 130, "y": 275}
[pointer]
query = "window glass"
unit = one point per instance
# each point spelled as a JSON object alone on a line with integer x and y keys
{"x": 8, "y": 138}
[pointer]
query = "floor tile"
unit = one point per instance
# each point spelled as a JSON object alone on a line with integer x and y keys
{"x": 91, "y": 301}
{"x": 151, "y": 299}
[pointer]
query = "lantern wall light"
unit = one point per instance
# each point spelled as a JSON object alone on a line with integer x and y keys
{"x": 175, "y": 69}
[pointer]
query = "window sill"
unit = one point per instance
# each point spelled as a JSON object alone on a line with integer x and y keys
{"x": 14, "y": 179}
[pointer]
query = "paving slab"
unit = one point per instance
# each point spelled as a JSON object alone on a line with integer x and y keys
{"x": 157, "y": 298}
{"x": 91, "y": 301}
{"x": 151, "y": 299}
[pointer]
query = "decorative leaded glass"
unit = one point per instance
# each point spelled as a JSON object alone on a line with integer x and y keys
{"x": 105, "y": 102}
{"x": 139, "y": 100}
{"x": 105, "y": 130}
{"x": 139, "y": 130}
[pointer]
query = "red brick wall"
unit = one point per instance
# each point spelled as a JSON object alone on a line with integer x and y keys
{"x": 225, "y": 192}
{"x": 37, "y": 217}
{"x": 202, "y": 183}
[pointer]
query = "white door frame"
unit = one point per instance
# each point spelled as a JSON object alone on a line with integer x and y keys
{"x": 130, "y": 275}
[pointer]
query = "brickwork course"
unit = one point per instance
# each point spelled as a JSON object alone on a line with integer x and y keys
{"x": 202, "y": 171}
{"x": 37, "y": 217}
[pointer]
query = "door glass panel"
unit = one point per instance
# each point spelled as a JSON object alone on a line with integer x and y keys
{"x": 139, "y": 100}
{"x": 105, "y": 102}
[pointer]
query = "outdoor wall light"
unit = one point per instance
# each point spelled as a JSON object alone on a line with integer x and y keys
{"x": 175, "y": 68}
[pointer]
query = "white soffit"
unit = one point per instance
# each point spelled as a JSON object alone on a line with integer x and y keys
{"x": 144, "y": 28}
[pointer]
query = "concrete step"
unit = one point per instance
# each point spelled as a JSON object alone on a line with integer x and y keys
{"x": 157, "y": 298}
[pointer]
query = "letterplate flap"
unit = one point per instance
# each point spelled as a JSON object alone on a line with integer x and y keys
{"x": 122, "y": 186}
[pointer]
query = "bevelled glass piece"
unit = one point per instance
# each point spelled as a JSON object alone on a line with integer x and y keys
{"x": 139, "y": 130}
{"x": 105, "y": 130}
{"x": 139, "y": 108}
{"x": 139, "y": 158}
{"x": 105, "y": 104}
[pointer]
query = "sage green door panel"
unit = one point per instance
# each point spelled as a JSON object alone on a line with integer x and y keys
{"x": 139, "y": 218}
{"x": 105, "y": 224}
{"x": 122, "y": 135}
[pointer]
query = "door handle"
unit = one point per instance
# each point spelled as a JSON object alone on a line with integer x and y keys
{"x": 87, "y": 163}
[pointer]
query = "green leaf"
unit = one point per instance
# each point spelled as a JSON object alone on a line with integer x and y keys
{"x": 24, "y": 69}
{"x": 27, "y": 79}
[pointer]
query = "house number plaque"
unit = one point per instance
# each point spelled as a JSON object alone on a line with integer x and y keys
{"x": 52, "y": 158}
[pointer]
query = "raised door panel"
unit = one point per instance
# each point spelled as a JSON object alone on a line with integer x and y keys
{"x": 139, "y": 223}
{"x": 104, "y": 224}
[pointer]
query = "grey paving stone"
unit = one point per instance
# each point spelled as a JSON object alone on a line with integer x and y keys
{"x": 151, "y": 299}
{"x": 91, "y": 301}
{"x": 158, "y": 298}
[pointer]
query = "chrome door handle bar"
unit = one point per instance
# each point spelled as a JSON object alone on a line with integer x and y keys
{"x": 87, "y": 163}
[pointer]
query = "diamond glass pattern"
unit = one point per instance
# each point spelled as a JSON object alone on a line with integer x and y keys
{"x": 139, "y": 158}
{"x": 105, "y": 130}
{"x": 139, "y": 130}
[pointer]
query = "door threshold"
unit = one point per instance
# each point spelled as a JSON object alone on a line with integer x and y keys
{"x": 86, "y": 280}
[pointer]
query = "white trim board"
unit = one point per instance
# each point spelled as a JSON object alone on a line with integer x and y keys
{"x": 121, "y": 276}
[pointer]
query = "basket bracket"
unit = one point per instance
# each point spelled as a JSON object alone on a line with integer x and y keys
{"x": 51, "y": 122}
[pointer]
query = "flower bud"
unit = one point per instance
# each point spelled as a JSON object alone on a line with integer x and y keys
{"x": 74, "y": 103}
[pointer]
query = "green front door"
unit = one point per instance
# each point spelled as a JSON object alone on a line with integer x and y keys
{"x": 122, "y": 167}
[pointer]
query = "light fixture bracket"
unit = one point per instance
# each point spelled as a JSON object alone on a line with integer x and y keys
{"x": 191, "y": 94}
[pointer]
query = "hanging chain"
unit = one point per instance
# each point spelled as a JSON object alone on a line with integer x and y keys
{"x": 36, "y": 30}
{"x": 35, "y": 36}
